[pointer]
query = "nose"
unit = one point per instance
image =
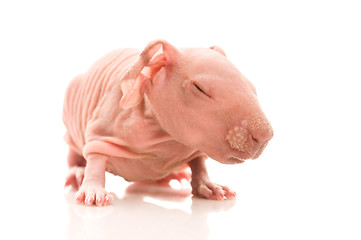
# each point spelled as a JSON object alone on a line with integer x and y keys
{"x": 260, "y": 129}
{"x": 251, "y": 137}
{"x": 261, "y": 133}
{"x": 261, "y": 137}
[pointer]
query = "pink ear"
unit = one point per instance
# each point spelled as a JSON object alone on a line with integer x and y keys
{"x": 218, "y": 49}
{"x": 133, "y": 81}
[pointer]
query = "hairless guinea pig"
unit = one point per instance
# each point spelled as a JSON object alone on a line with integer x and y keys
{"x": 148, "y": 116}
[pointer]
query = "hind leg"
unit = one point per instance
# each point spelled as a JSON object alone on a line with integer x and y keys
{"x": 164, "y": 187}
{"x": 183, "y": 173}
{"x": 76, "y": 165}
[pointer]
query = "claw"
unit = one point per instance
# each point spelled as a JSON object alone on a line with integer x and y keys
{"x": 213, "y": 191}
{"x": 93, "y": 195}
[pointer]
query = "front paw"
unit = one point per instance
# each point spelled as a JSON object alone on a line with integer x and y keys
{"x": 209, "y": 190}
{"x": 91, "y": 194}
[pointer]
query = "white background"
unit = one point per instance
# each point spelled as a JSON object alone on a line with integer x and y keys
{"x": 304, "y": 58}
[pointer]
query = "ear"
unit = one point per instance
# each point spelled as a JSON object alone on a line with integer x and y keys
{"x": 218, "y": 49}
{"x": 151, "y": 59}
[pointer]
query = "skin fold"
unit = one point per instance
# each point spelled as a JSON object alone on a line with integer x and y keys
{"x": 148, "y": 116}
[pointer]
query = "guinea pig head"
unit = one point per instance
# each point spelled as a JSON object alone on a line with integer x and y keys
{"x": 201, "y": 99}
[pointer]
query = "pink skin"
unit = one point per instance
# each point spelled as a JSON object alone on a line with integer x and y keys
{"x": 170, "y": 110}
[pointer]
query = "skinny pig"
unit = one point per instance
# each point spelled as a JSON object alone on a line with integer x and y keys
{"x": 149, "y": 116}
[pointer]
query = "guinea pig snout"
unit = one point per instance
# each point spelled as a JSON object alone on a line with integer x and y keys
{"x": 251, "y": 137}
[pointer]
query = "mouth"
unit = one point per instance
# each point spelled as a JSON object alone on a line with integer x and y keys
{"x": 241, "y": 157}
{"x": 235, "y": 160}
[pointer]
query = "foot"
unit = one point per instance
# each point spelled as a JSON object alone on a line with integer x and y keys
{"x": 75, "y": 177}
{"x": 93, "y": 194}
{"x": 203, "y": 187}
{"x": 210, "y": 190}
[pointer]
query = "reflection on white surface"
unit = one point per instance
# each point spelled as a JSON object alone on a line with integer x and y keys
{"x": 143, "y": 216}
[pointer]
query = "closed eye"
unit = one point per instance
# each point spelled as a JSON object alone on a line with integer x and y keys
{"x": 200, "y": 89}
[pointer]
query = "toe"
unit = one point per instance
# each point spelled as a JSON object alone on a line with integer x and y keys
{"x": 89, "y": 199}
{"x": 217, "y": 191}
{"x": 100, "y": 199}
{"x": 214, "y": 191}
{"x": 93, "y": 195}
{"x": 204, "y": 191}
{"x": 229, "y": 193}
{"x": 80, "y": 197}
{"x": 108, "y": 199}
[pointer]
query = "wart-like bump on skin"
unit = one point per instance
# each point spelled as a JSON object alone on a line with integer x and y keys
{"x": 237, "y": 138}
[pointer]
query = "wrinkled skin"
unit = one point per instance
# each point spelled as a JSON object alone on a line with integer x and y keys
{"x": 147, "y": 117}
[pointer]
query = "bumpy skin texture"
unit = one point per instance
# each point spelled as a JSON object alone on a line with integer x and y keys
{"x": 147, "y": 116}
